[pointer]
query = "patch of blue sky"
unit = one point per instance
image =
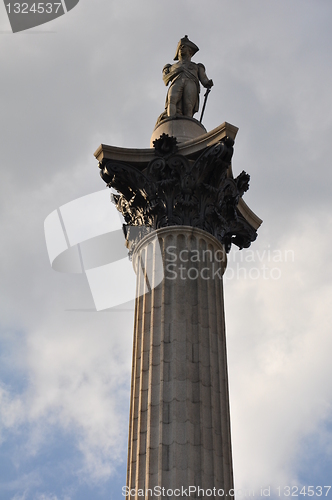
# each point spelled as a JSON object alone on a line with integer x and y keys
{"x": 12, "y": 370}
{"x": 53, "y": 472}
{"x": 314, "y": 464}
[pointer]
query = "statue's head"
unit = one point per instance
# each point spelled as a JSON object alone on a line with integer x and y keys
{"x": 185, "y": 45}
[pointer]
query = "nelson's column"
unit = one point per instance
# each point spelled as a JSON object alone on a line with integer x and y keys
{"x": 180, "y": 197}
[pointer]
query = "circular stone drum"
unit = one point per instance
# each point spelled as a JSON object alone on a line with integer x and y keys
{"x": 183, "y": 128}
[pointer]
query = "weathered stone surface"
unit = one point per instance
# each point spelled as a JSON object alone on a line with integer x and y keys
{"x": 141, "y": 157}
{"x": 181, "y": 127}
{"x": 177, "y": 190}
{"x": 114, "y": 163}
{"x": 179, "y": 431}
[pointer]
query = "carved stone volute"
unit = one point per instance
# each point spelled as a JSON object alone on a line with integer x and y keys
{"x": 172, "y": 189}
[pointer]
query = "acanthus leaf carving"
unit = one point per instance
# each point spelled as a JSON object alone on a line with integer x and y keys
{"x": 175, "y": 190}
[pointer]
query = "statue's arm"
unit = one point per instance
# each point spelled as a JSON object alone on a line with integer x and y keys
{"x": 166, "y": 74}
{"x": 203, "y": 78}
{"x": 170, "y": 72}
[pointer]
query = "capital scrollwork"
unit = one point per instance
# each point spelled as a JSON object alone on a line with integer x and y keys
{"x": 175, "y": 190}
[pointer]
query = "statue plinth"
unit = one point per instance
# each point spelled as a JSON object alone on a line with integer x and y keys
{"x": 183, "y": 128}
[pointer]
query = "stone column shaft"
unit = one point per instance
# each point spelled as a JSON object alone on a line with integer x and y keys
{"x": 179, "y": 430}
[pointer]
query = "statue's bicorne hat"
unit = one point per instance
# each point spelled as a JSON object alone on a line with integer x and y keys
{"x": 185, "y": 41}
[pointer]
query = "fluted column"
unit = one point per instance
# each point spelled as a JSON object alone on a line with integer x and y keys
{"x": 179, "y": 430}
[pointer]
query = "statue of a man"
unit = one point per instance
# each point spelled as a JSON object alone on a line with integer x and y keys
{"x": 183, "y": 79}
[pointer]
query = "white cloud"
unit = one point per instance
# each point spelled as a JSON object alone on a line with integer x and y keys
{"x": 279, "y": 358}
{"x": 10, "y": 410}
{"x": 78, "y": 382}
{"x": 20, "y": 497}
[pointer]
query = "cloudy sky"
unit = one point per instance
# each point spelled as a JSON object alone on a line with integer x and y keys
{"x": 94, "y": 76}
